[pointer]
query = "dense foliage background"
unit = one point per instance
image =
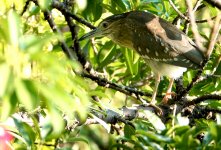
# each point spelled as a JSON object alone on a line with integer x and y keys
{"x": 59, "y": 93}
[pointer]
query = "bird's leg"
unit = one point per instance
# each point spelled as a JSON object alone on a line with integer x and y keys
{"x": 157, "y": 81}
{"x": 153, "y": 100}
{"x": 168, "y": 93}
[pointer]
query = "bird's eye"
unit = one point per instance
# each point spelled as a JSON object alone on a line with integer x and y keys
{"x": 105, "y": 25}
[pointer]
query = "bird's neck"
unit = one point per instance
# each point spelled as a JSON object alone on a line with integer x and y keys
{"x": 122, "y": 36}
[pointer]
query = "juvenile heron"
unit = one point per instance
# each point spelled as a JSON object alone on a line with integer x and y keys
{"x": 166, "y": 49}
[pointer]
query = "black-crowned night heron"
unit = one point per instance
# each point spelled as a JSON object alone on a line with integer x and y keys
{"x": 166, "y": 49}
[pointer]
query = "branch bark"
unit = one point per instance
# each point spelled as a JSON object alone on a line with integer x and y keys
{"x": 215, "y": 3}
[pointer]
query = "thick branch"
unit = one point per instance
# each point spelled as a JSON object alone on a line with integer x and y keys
{"x": 53, "y": 26}
{"x": 124, "y": 89}
{"x": 215, "y": 3}
{"x": 203, "y": 98}
{"x": 76, "y": 46}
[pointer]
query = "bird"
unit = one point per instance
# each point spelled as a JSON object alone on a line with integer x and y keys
{"x": 165, "y": 48}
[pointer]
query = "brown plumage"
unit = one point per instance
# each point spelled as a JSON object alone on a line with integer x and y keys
{"x": 166, "y": 49}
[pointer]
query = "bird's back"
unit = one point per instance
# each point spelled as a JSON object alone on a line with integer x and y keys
{"x": 158, "y": 40}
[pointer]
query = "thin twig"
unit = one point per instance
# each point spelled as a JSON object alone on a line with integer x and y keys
{"x": 214, "y": 35}
{"x": 193, "y": 82}
{"x": 198, "y": 3}
{"x": 173, "y": 119}
{"x": 55, "y": 29}
{"x": 196, "y": 34}
{"x": 197, "y": 21}
{"x": 208, "y": 77}
{"x": 177, "y": 10}
{"x": 205, "y": 20}
{"x": 210, "y": 48}
{"x": 25, "y": 7}
{"x": 213, "y": 110}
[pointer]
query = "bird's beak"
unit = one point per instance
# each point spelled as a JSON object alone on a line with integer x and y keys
{"x": 94, "y": 33}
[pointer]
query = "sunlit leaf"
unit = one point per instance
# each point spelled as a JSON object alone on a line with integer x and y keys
{"x": 6, "y": 77}
{"x": 26, "y": 131}
{"x": 44, "y": 4}
{"x": 27, "y": 93}
{"x": 33, "y": 43}
{"x": 155, "y": 120}
{"x": 9, "y": 103}
{"x": 53, "y": 124}
{"x": 14, "y": 27}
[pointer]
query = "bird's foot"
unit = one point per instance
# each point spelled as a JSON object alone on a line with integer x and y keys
{"x": 168, "y": 96}
{"x": 157, "y": 109}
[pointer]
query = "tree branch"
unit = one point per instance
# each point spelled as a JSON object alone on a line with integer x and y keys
{"x": 214, "y": 3}
{"x": 196, "y": 34}
{"x": 25, "y": 7}
{"x": 124, "y": 89}
{"x": 214, "y": 35}
{"x": 203, "y": 98}
{"x": 61, "y": 7}
{"x": 177, "y": 10}
{"x": 53, "y": 26}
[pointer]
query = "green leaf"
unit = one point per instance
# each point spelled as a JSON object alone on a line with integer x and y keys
{"x": 27, "y": 93}
{"x": 26, "y": 131}
{"x": 44, "y": 4}
{"x": 14, "y": 27}
{"x": 33, "y": 43}
{"x": 81, "y": 4}
{"x": 53, "y": 124}
{"x": 129, "y": 131}
{"x": 129, "y": 56}
{"x": 106, "y": 57}
{"x": 77, "y": 139}
{"x": 120, "y": 5}
{"x": 5, "y": 79}
{"x": 154, "y": 120}
{"x": 218, "y": 70}
{"x": 89, "y": 12}
{"x": 9, "y": 103}
{"x": 154, "y": 136}
{"x": 179, "y": 130}
{"x": 4, "y": 30}
{"x": 214, "y": 131}
{"x": 34, "y": 10}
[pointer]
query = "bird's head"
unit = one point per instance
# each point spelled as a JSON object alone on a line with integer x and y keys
{"x": 107, "y": 27}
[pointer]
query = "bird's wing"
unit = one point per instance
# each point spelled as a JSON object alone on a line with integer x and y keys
{"x": 161, "y": 41}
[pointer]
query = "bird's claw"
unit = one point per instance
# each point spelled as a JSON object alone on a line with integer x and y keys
{"x": 168, "y": 96}
{"x": 157, "y": 108}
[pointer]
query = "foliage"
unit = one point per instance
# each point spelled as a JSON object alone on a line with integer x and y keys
{"x": 46, "y": 102}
